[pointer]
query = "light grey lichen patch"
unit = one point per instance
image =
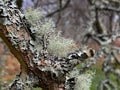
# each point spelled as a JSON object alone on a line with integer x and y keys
{"x": 10, "y": 13}
{"x": 31, "y": 79}
{"x": 13, "y": 19}
{"x": 36, "y": 57}
{"x": 32, "y": 46}
{"x": 24, "y": 45}
{"x": 20, "y": 85}
{"x": 27, "y": 84}
{"x": 14, "y": 38}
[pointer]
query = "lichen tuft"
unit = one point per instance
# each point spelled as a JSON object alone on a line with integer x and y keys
{"x": 58, "y": 45}
{"x": 84, "y": 81}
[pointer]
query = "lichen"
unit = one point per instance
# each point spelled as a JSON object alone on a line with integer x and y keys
{"x": 79, "y": 81}
{"x": 60, "y": 46}
{"x": 84, "y": 81}
{"x": 32, "y": 16}
{"x": 56, "y": 45}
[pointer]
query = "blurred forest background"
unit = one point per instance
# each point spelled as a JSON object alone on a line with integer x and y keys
{"x": 72, "y": 20}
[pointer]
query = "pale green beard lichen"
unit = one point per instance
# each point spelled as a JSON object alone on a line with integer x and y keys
{"x": 38, "y": 22}
{"x": 33, "y": 15}
{"x": 84, "y": 81}
{"x": 58, "y": 45}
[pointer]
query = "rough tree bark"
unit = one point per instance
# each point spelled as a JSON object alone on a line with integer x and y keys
{"x": 14, "y": 39}
{"x": 15, "y": 33}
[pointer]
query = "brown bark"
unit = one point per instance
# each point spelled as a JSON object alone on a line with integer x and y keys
{"x": 47, "y": 83}
{"x": 54, "y": 86}
{"x": 16, "y": 53}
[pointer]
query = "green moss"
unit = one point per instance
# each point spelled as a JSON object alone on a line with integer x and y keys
{"x": 101, "y": 76}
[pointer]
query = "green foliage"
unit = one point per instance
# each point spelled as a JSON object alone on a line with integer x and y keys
{"x": 97, "y": 77}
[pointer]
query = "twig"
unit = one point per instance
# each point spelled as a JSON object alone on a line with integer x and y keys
{"x": 60, "y": 9}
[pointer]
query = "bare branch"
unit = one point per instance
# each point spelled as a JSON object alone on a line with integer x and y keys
{"x": 60, "y": 9}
